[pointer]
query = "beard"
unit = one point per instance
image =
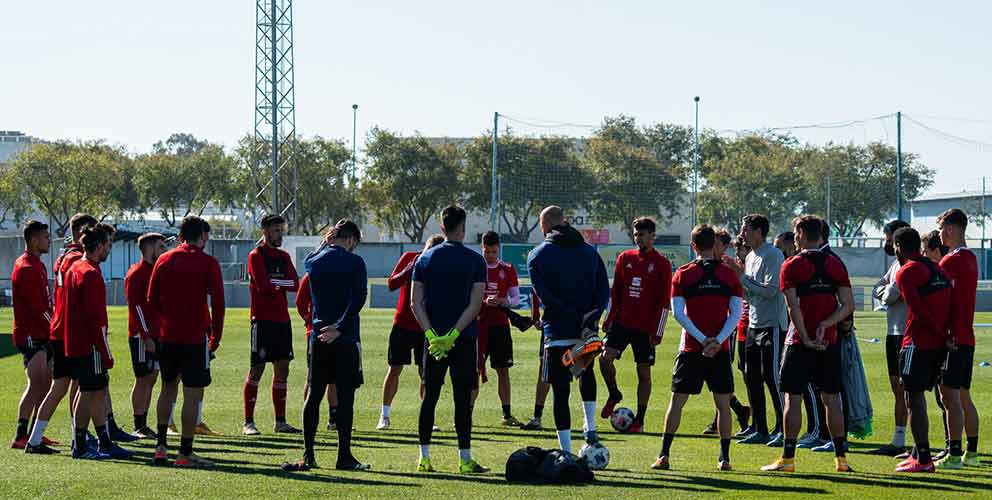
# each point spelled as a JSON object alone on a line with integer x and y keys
{"x": 890, "y": 250}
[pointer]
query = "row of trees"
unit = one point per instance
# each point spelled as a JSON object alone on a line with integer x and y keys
{"x": 620, "y": 172}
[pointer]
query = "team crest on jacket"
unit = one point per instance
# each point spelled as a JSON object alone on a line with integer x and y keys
{"x": 651, "y": 268}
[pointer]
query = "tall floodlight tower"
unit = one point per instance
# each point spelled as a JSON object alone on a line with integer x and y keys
{"x": 275, "y": 106}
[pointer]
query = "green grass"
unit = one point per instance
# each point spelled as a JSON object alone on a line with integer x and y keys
{"x": 249, "y": 467}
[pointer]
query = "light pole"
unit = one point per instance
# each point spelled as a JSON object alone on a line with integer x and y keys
{"x": 695, "y": 165}
{"x": 354, "y": 143}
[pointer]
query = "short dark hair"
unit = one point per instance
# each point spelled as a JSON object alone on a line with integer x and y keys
{"x": 271, "y": 220}
{"x": 756, "y": 221}
{"x": 433, "y": 241}
{"x": 954, "y": 217}
{"x": 810, "y": 225}
{"x": 32, "y": 228}
{"x": 724, "y": 236}
{"x": 788, "y": 236}
{"x": 894, "y": 225}
{"x": 703, "y": 237}
{"x": 94, "y": 236}
{"x": 490, "y": 238}
{"x": 825, "y": 230}
{"x": 79, "y": 221}
{"x": 451, "y": 217}
{"x": 149, "y": 239}
{"x": 644, "y": 223}
{"x": 908, "y": 239}
{"x": 345, "y": 228}
{"x": 192, "y": 228}
{"x": 931, "y": 241}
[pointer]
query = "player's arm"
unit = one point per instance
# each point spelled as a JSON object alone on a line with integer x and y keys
{"x": 152, "y": 296}
{"x": 666, "y": 300}
{"x": 679, "y": 311}
{"x": 303, "y": 300}
{"x": 95, "y": 307}
{"x": 729, "y": 326}
{"x": 908, "y": 284}
{"x": 136, "y": 298}
{"x": 291, "y": 282}
{"x": 359, "y": 290}
{"x": 796, "y": 315}
{"x": 215, "y": 287}
{"x": 535, "y": 307}
{"x": 602, "y": 287}
{"x": 418, "y": 304}
{"x": 766, "y": 283}
{"x": 474, "y": 305}
{"x": 540, "y": 285}
{"x": 258, "y": 274}
{"x": 616, "y": 291}
{"x": 25, "y": 284}
{"x": 402, "y": 272}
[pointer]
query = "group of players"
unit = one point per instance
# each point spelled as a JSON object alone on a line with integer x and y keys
{"x": 789, "y": 303}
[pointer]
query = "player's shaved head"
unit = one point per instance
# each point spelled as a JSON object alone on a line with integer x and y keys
{"x": 550, "y": 217}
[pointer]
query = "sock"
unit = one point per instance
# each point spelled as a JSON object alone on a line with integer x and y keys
{"x": 589, "y": 416}
{"x": 80, "y": 443}
{"x": 279, "y": 399}
{"x": 38, "y": 432}
{"x": 565, "y": 440}
{"x": 538, "y": 411}
{"x": 22, "y": 428}
{"x": 840, "y": 443}
{"x": 725, "y": 450}
{"x": 641, "y": 410}
{"x": 111, "y": 423}
{"x": 736, "y": 405}
{"x": 615, "y": 394}
{"x": 103, "y": 435}
{"x": 923, "y": 451}
{"x": 140, "y": 421}
{"x": 465, "y": 455}
{"x": 506, "y": 411}
{"x": 332, "y": 414}
{"x": 915, "y": 453}
{"x": 186, "y": 446}
{"x": 899, "y": 437}
{"x": 789, "y": 449}
{"x": 163, "y": 435}
{"x": 425, "y": 451}
{"x": 385, "y": 411}
{"x": 955, "y": 448}
{"x": 251, "y": 394}
{"x": 666, "y": 444}
{"x": 972, "y": 444}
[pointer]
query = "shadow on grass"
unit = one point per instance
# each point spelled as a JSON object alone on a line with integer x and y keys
{"x": 721, "y": 483}
{"x": 498, "y": 480}
{"x": 7, "y": 347}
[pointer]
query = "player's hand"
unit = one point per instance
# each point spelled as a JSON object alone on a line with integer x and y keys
{"x": 733, "y": 264}
{"x": 108, "y": 362}
{"x": 149, "y": 345}
{"x": 539, "y": 324}
{"x": 214, "y": 344}
{"x": 711, "y": 349}
{"x": 821, "y": 331}
{"x": 328, "y": 334}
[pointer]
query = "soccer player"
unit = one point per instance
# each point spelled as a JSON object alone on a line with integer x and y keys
{"x": 961, "y": 267}
{"x": 448, "y": 285}
{"x": 142, "y": 321}
{"x": 182, "y": 280}
{"x": 304, "y": 306}
{"x": 707, "y": 299}
{"x": 495, "y": 343}
{"x": 61, "y": 369}
{"x": 570, "y": 278}
{"x": 927, "y": 292}
{"x": 32, "y": 320}
{"x": 338, "y": 286}
{"x": 933, "y": 247}
{"x": 86, "y": 345}
{"x": 888, "y": 294}
{"x": 818, "y": 293}
{"x": 639, "y": 299}
{"x": 786, "y": 243}
{"x": 541, "y": 388}
{"x": 271, "y": 275}
{"x": 406, "y": 340}
{"x": 760, "y": 278}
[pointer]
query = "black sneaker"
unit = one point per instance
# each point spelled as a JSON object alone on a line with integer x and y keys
{"x": 304, "y": 464}
{"x": 146, "y": 433}
{"x": 41, "y": 449}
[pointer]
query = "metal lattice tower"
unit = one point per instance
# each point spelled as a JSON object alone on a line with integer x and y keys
{"x": 275, "y": 104}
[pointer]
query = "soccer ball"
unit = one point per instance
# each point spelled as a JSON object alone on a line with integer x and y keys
{"x": 621, "y": 419}
{"x": 596, "y": 456}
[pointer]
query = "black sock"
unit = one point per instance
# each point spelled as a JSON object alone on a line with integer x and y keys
{"x": 80, "y": 440}
{"x": 140, "y": 421}
{"x": 840, "y": 443}
{"x": 163, "y": 434}
{"x": 332, "y": 415}
{"x": 186, "y": 446}
{"x": 103, "y": 434}
{"x": 615, "y": 394}
{"x": 725, "y": 450}
{"x": 666, "y": 444}
{"x": 506, "y": 411}
{"x": 736, "y": 405}
{"x": 111, "y": 423}
{"x": 915, "y": 452}
{"x": 789, "y": 448}
{"x": 641, "y": 410}
{"x": 972, "y": 444}
{"x": 22, "y": 428}
{"x": 923, "y": 451}
{"x": 539, "y": 410}
{"x": 955, "y": 448}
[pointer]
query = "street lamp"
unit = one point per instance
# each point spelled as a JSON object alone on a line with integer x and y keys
{"x": 354, "y": 136}
{"x": 695, "y": 164}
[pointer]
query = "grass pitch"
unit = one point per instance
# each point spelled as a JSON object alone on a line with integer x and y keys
{"x": 248, "y": 467}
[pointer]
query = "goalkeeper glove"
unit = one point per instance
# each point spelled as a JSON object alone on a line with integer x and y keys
{"x": 431, "y": 337}
{"x": 443, "y": 344}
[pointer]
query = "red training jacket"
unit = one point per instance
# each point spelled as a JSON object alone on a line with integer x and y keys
{"x": 270, "y": 275}
{"x": 304, "y": 303}
{"x": 499, "y": 280}
{"x": 927, "y": 293}
{"x": 401, "y": 279}
{"x": 86, "y": 312}
{"x": 142, "y": 318}
{"x": 180, "y": 283}
{"x": 32, "y": 299}
{"x": 961, "y": 268}
{"x": 642, "y": 286}
{"x": 70, "y": 254}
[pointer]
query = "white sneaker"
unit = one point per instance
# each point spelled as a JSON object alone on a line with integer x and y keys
{"x": 437, "y": 428}
{"x": 383, "y": 423}
{"x": 249, "y": 429}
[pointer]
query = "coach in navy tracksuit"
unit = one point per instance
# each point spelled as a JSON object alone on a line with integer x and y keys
{"x": 338, "y": 287}
{"x": 570, "y": 279}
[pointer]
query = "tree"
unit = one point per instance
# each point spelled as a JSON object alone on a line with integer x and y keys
{"x": 15, "y": 201}
{"x": 64, "y": 178}
{"x": 204, "y": 169}
{"x": 532, "y": 174}
{"x": 861, "y": 182}
{"x": 324, "y": 195}
{"x": 408, "y": 180}
{"x": 752, "y": 174}
{"x": 638, "y": 172}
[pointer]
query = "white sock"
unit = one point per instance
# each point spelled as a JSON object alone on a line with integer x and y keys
{"x": 589, "y": 416}
{"x": 199, "y": 412}
{"x": 465, "y": 455}
{"x": 425, "y": 451}
{"x": 38, "y": 432}
{"x": 385, "y": 411}
{"x": 565, "y": 440}
{"x": 899, "y": 437}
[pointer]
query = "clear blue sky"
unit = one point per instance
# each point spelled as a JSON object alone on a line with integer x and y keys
{"x": 133, "y": 72}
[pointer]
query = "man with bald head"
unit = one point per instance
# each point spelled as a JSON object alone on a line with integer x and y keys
{"x": 570, "y": 279}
